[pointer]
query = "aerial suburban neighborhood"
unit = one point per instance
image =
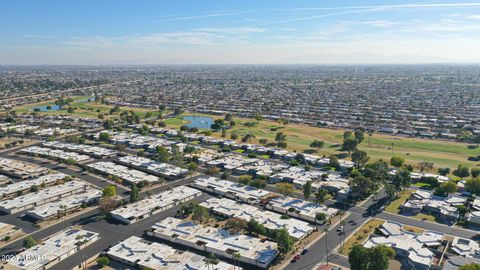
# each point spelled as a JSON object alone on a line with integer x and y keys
{"x": 164, "y": 185}
{"x": 227, "y": 135}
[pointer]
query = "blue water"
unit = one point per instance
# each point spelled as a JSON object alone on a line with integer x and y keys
{"x": 199, "y": 121}
{"x": 56, "y": 107}
{"x": 45, "y": 109}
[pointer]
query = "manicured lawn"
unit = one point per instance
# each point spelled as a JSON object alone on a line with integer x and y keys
{"x": 378, "y": 146}
{"x": 299, "y": 137}
{"x": 82, "y": 109}
{"x": 423, "y": 185}
{"x": 176, "y": 122}
{"x": 394, "y": 206}
{"x": 361, "y": 235}
{"x": 413, "y": 229}
{"x": 423, "y": 216}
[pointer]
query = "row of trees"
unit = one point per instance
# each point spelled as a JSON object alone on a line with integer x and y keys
{"x": 366, "y": 180}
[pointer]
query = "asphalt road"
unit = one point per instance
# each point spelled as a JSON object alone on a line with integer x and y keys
{"x": 97, "y": 181}
{"x": 360, "y": 214}
{"x": 110, "y": 233}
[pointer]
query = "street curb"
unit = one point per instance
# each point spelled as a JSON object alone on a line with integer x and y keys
{"x": 426, "y": 221}
{"x": 351, "y": 234}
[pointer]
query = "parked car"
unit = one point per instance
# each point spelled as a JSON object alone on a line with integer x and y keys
{"x": 295, "y": 259}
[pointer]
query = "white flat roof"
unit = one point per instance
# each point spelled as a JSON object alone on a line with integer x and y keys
{"x": 43, "y": 194}
{"x": 305, "y": 207}
{"x": 83, "y": 148}
{"x": 56, "y": 153}
{"x": 123, "y": 172}
{"x": 466, "y": 247}
{"x": 232, "y": 161}
{"x": 409, "y": 242}
{"x": 137, "y": 251}
{"x": 64, "y": 204}
{"x": 153, "y": 166}
{"x": 248, "y": 247}
{"x": 296, "y": 228}
{"x": 24, "y": 185}
{"x": 224, "y": 186}
{"x": 161, "y": 200}
{"x": 50, "y": 249}
{"x": 24, "y": 169}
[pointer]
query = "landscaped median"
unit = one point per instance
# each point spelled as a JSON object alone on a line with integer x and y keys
{"x": 361, "y": 235}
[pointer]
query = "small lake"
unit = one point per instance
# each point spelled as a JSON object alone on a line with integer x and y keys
{"x": 199, "y": 121}
{"x": 53, "y": 107}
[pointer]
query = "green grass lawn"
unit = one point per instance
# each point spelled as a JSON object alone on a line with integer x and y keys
{"x": 378, "y": 146}
{"x": 299, "y": 137}
{"x": 394, "y": 206}
{"x": 361, "y": 235}
{"x": 423, "y": 185}
{"x": 82, "y": 109}
{"x": 427, "y": 217}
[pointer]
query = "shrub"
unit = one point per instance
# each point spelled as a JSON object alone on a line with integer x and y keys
{"x": 103, "y": 261}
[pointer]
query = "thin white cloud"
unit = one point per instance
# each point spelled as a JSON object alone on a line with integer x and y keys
{"x": 308, "y": 18}
{"x": 401, "y": 6}
{"x": 345, "y": 10}
{"x": 379, "y": 23}
{"x": 232, "y": 30}
{"x": 474, "y": 17}
{"x": 154, "y": 39}
{"x": 205, "y": 16}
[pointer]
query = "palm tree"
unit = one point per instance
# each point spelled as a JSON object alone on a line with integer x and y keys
{"x": 236, "y": 259}
{"x": 211, "y": 260}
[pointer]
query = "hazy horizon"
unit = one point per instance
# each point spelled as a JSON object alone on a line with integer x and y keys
{"x": 210, "y": 32}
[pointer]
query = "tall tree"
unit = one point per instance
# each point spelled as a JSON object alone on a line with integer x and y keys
{"x": 284, "y": 241}
{"x": 379, "y": 256}
{"x": 473, "y": 186}
{"x": 358, "y": 258}
{"x": 109, "y": 192}
{"x": 359, "y": 135}
{"x": 401, "y": 179}
{"x": 362, "y": 186}
{"x": 377, "y": 171}
{"x": 307, "y": 189}
{"x": 321, "y": 195}
{"x": 360, "y": 158}
{"x": 461, "y": 171}
{"x": 285, "y": 188}
{"x": 134, "y": 194}
{"x": 280, "y": 137}
{"x": 397, "y": 161}
{"x": 475, "y": 172}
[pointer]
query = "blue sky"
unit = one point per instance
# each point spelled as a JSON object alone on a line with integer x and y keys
{"x": 238, "y": 32}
